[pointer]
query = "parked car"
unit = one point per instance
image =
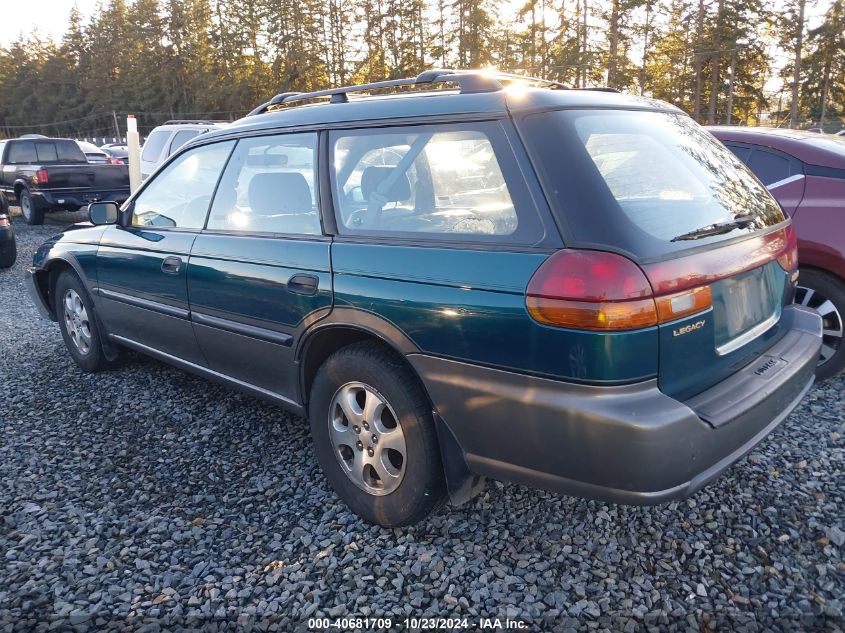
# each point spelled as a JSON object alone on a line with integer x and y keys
{"x": 166, "y": 139}
{"x": 419, "y": 276}
{"x": 806, "y": 173}
{"x": 93, "y": 153}
{"x": 117, "y": 155}
{"x": 47, "y": 174}
{"x": 8, "y": 247}
{"x": 840, "y": 133}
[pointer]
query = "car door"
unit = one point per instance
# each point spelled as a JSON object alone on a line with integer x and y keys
{"x": 260, "y": 272}
{"x": 142, "y": 263}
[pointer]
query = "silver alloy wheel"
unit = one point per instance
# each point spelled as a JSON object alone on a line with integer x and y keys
{"x": 76, "y": 321}
{"x": 367, "y": 438}
{"x": 832, "y": 326}
{"x": 26, "y": 206}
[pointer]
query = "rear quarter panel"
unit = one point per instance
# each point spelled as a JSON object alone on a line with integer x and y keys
{"x": 469, "y": 305}
{"x": 820, "y": 224}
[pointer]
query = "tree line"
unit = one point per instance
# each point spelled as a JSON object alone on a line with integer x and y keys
{"x": 165, "y": 59}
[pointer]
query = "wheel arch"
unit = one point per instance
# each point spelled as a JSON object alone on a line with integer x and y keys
{"x": 48, "y": 272}
{"x": 343, "y": 327}
{"x": 820, "y": 269}
{"x": 348, "y": 326}
{"x": 18, "y": 186}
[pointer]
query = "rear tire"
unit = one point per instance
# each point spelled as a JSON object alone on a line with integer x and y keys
{"x": 374, "y": 436}
{"x": 78, "y": 323}
{"x": 826, "y": 294}
{"x": 8, "y": 251}
{"x": 32, "y": 213}
{"x": 8, "y": 247}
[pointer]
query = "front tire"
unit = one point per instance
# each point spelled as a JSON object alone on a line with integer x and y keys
{"x": 825, "y": 294}
{"x": 32, "y": 213}
{"x": 78, "y": 323}
{"x": 374, "y": 436}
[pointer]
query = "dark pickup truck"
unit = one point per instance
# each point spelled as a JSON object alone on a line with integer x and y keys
{"x": 51, "y": 173}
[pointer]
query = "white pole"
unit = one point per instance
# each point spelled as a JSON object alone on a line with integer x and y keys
{"x": 134, "y": 143}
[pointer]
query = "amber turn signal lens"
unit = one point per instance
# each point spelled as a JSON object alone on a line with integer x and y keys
{"x": 585, "y": 315}
{"x": 681, "y": 304}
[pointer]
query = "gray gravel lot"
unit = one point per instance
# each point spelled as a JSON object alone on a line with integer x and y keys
{"x": 146, "y": 498}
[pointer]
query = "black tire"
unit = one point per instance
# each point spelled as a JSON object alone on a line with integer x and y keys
{"x": 826, "y": 288}
{"x": 90, "y": 357}
{"x": 8, "y": 248}
{"x": 32, "y": 213}
{"x": 421, "y": 489}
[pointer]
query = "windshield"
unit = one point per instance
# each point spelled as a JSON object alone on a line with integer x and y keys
{"x": 637, "y": 180}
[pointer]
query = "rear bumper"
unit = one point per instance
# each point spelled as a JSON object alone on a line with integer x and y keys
{"x": 74, "y": 200}
{"x": 624, "y": 444}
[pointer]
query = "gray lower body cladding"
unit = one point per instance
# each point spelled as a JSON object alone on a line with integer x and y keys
{"x": 624, "y": 444}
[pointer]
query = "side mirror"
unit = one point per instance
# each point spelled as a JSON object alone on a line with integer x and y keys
{"x": 102, "y": 212}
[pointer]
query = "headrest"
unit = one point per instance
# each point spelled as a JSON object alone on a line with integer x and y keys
{"x": 279, "y": 192}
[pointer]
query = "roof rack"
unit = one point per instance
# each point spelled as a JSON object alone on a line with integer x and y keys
{"x": 194, "y": 121}
{"x": 469, "y": 81}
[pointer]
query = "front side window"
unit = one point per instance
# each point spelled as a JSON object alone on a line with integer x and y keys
{"x": 179, "y": 195}
{"x": 447, "y": 181}
{"x": 269, "y": 186}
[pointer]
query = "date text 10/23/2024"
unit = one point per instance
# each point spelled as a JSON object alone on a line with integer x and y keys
{"x": 415, "y": 624}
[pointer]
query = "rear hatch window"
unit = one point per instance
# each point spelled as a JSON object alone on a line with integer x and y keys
{"x": 657, "y": 187}
{"x": 638, "y": 181}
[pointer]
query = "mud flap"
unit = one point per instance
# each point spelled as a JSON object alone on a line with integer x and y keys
{"x": 461, "y": 483}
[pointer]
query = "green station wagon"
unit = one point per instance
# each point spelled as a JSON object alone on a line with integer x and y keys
{"x": 458, "y": 276}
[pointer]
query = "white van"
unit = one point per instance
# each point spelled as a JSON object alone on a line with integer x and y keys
{"x": 167, "y": 138}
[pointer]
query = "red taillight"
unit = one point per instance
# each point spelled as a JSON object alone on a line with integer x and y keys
{"x": 789, "y": 259}
{"x": 594, "y": 290}
{"x": 704, "y": 268}
{"x": 591, "y": 290}
{"x": 116, "y": 161}
{"x": 42, "y": 177}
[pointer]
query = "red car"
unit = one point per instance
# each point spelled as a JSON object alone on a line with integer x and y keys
{"x": 805, "y": 171}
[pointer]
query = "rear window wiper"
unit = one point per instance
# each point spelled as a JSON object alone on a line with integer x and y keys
{"x": 739, "y": 222}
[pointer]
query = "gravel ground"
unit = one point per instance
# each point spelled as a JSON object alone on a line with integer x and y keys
{"x": 146, "y": 498}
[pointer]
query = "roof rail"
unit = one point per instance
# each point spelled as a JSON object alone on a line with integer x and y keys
{"x": 194, "y": 121}
{"x": 468, "y": 81}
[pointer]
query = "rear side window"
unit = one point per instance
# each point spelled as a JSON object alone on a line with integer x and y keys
{"x": 768, "y": 166}
{"x": 154, "y": 145}
{"x": 69, "y": 152}
{"x": 22, "y": 152}
{"x": 180, "y": 138}
{"x": 741, "y": 152}
{"x": 449, "y": 182}
{"x": 179, "y": 195}
{"x": 639, "y": 180}
{"x": 269, "y": 186}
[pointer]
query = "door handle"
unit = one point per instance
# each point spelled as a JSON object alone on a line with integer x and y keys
{"x": 171, "y": 265}
{"x": 303, "y": 284}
